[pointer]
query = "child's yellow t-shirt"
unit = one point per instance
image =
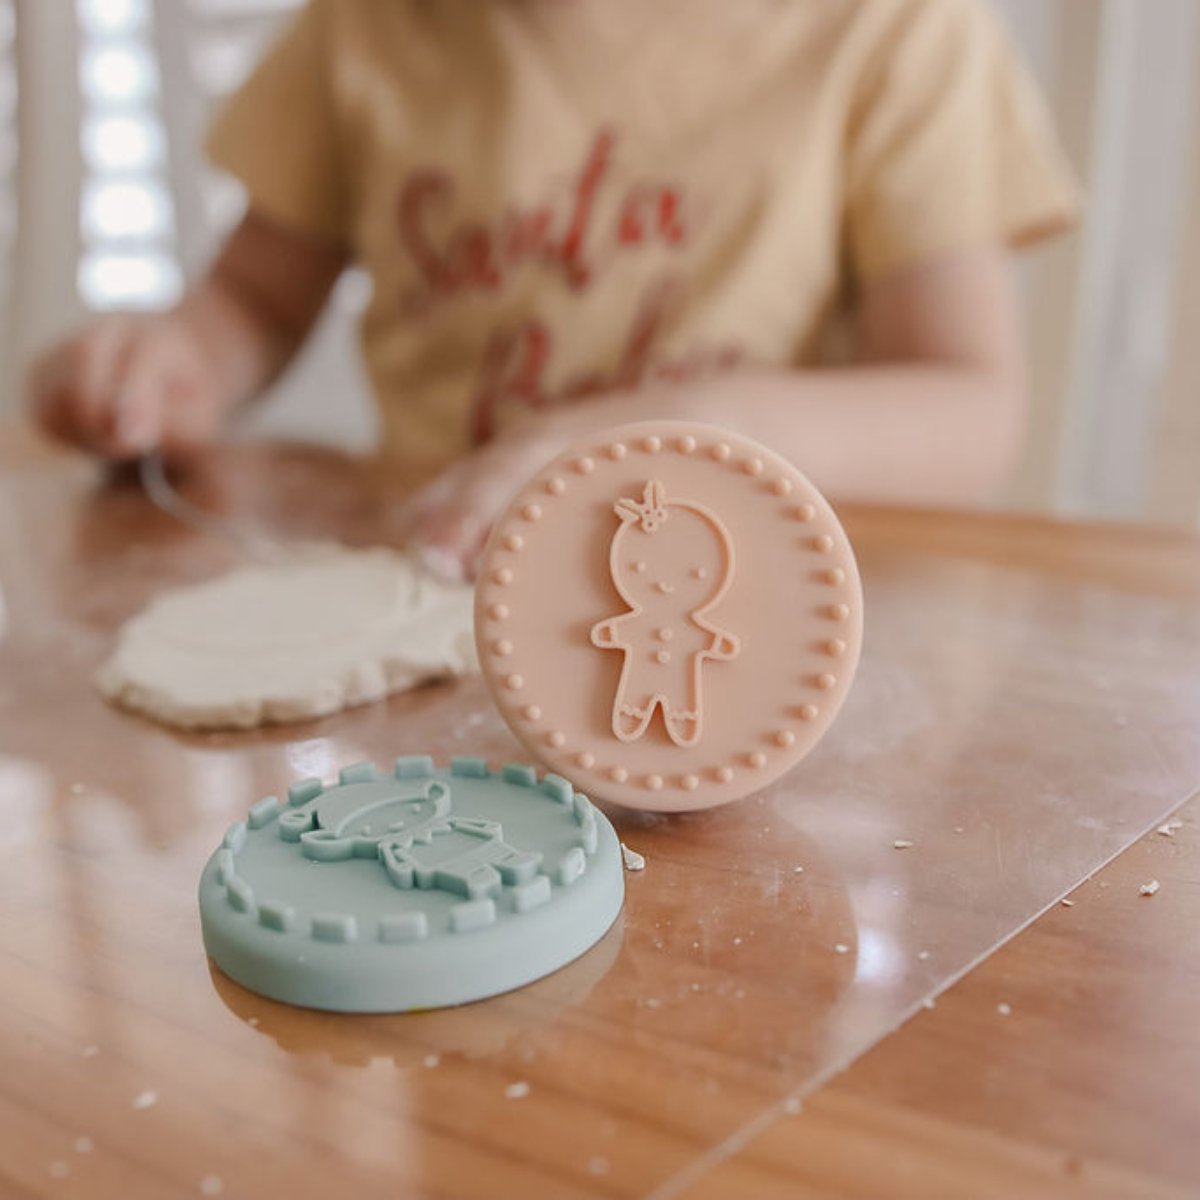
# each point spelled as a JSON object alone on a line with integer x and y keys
{"x": 555, "y": 198}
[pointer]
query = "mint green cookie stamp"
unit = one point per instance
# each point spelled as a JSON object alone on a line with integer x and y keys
{"x": 417, "y": 889}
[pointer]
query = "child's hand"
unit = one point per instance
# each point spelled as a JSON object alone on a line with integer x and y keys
{"x": 126, "y": 385}
{"x": 450, "y": 519}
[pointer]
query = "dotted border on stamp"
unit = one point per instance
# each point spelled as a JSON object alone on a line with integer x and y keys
{"x": 530, "y": 510}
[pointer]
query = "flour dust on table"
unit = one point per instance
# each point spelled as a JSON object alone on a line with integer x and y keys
{"x": 329, "y": 629}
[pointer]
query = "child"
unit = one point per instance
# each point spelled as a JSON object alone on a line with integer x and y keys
{"x": 577, "y": 213}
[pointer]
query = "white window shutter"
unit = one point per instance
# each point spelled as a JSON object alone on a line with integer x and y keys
{"x": 205, "y": 48}
{"x": 8, "y": 183}
{"x": 127, "y": 230}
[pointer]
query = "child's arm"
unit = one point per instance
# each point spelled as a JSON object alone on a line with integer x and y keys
{"x": 933, "y": 414}
{"x": 129, "y": 383}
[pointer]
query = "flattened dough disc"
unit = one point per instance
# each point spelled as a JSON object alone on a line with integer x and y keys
{"x": 283, "y": 642}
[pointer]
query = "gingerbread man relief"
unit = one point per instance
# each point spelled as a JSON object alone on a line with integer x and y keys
{"x": 418, "y": 839}
{"x": 672, "y": 561}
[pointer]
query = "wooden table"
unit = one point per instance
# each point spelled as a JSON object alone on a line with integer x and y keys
{"x": 672, "y": 1059}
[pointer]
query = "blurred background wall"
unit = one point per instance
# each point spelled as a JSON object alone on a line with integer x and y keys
{"x": 105, "y": 203}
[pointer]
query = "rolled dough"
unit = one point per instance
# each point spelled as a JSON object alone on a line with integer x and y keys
{"x": 264, "y": 644}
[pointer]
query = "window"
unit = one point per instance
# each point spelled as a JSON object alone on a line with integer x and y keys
{"x": 126, "y": 216}
{"x": 8, "y": 152}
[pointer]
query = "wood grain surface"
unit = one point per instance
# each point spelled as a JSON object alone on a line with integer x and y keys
{"x": 1055, "y": 669}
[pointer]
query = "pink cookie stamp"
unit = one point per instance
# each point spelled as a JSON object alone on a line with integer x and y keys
{"x": 669, "y": 615}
